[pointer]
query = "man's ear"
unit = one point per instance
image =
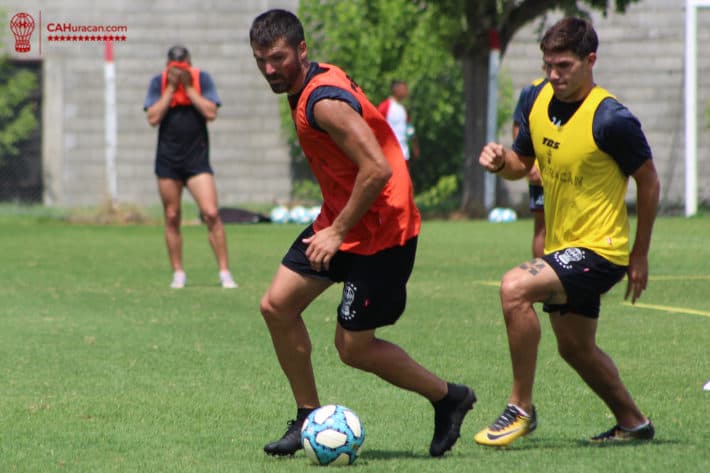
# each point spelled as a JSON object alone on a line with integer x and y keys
{"x": 302, "y": 50}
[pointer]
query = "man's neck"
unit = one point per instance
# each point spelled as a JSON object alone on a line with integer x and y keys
{"x": 302, "y": 79}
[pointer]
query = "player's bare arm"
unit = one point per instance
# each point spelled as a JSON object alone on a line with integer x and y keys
{"x": 352, "y": 134}
{"x": 505, "y": 162}
{"x": 157, "y": 111}
{"x": 205, "y": 106}
{"x": 648, "y": 190}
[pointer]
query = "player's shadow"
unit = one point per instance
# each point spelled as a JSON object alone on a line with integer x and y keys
{"x": 379, "y": 454}
{"x": 559, "y": 443}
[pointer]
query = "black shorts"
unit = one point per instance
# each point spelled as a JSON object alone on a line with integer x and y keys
{"x": 537, "y": 198}
{"x": 374, "y": 286}
{"x": 181, "y": 171}
{"x": 585, "y": 276}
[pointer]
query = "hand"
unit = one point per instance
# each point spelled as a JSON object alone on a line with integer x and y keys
{"x": 637, "y": 274}
{"x": 185, "y": 78}
{"x": 492, "y": 157}
{"x": 322, "y": 246}
{"x": 173, "y": 78}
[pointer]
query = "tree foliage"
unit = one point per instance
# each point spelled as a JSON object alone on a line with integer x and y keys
{"x": 377, "y": 41}
{"x": 17, "y": 116}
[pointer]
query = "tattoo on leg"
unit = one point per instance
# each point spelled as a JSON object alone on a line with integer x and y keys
{"x": 533, "y": 266}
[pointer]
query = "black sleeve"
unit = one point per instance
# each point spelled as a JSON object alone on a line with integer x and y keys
{"x": 523, "y": 145}
{"x": 618, "y": 133}
{"x": 329, "y": 92}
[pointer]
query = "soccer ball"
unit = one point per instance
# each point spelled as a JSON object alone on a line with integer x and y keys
{"x": 279, "y": 214}
{"x": 500, "y": 214}
{"x": 313, "y": 212}
{"x": 332, "y": 435}
{"x": 299, "y": 214}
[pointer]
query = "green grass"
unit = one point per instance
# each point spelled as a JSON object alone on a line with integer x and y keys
{"x": 105, "y": 369}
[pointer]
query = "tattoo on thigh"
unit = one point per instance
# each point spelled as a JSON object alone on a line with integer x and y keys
{"x": 533, "y": 266}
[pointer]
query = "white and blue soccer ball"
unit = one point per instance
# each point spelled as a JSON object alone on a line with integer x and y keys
{"x": 299, "y": 214}
{"x": 313, "y": 212}
{"x": 500, "y": 214}
{"x": 332, "y": 435}
{"x": 280, "y": 214}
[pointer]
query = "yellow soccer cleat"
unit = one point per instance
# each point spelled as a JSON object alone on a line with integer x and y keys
{"x": 511, "y": 424}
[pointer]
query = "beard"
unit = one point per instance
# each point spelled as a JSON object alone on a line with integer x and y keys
{"x": 278, "y": 87}
{"x": 278, "y": 83}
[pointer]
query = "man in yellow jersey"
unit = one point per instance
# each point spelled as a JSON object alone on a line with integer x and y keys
{"x": 365, "y": 236}
{"x": 587, "y": 145}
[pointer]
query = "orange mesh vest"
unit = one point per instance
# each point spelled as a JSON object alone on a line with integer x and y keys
{"x": 180, "y": 96}
{"x": 393, "y": 218}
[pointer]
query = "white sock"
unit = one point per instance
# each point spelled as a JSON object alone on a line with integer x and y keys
{"x": 520, "y": 410}
{"x": 638, "y": 427}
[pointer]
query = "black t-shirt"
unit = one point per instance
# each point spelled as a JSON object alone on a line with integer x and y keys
{"x": 616, "y": 130}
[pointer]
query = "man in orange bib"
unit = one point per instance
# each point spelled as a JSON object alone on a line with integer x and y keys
{"x": 181, "y": 100}
{"x": 365, "y": 235}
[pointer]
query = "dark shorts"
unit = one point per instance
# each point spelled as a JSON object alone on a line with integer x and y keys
{"x": 585, "y": 276}
{"x": 181, "y": 171}
{"x": 374, "y": 286}
{"x": 537, "y": 198}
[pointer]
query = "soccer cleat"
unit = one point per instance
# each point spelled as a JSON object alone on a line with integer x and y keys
{"x": 289, "y": 443}
{"x": 448, "y": 417}
{"x": 179, "y": 280}
{"x": 225, "y": 278}
{"x": 511, "y": 424}
{"x": 620, "y": 434}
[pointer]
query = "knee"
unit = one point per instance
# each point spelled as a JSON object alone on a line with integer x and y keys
{"x": 172, "y": 217}
{"x": 349, "y": 354}
{"x": 269, "y": 310}
{"x": 512, "y": 294}
{"x": 210, "y": 217}
{"x": 572, "y": 351}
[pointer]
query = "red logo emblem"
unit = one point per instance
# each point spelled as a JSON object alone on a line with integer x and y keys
{"x": 22, "y": 25}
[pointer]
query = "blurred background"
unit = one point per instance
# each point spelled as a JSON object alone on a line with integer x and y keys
{"x": 53, "y": 118}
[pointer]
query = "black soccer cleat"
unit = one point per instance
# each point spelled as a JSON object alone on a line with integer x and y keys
{"x": 618, "y": 434}
{"x": 448, "y": 417}
{"x": 289, "y": 443}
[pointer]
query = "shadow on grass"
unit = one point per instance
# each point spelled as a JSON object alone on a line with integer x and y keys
{"x": 552, "y": 443}
{"x": 379, "y": 454}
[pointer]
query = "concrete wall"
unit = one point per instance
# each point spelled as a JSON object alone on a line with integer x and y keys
{"x": 248, "y": 150}
{"x": 641, "y": 60}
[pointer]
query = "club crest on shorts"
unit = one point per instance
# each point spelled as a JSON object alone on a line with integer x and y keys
{"x": 569, "y": 256}
{"x": 349, "y": 291}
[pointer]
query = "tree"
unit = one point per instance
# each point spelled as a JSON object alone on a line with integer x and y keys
{"x": 377, "y": 41}
{"x": 464, "y": 25}
{"x": 17, "y": 114}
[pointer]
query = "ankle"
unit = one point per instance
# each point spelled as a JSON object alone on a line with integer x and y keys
{"x": 303, "y": 412}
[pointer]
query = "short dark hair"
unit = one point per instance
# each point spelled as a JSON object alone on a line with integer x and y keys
{"x": 274, "y": 24}
{"x": 178, "y": 53}
{"x": 571, "y": 34}
{"x": 397, "y": 82}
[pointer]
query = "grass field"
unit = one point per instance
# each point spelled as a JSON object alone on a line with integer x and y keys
{"x": 103, "y": 368}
